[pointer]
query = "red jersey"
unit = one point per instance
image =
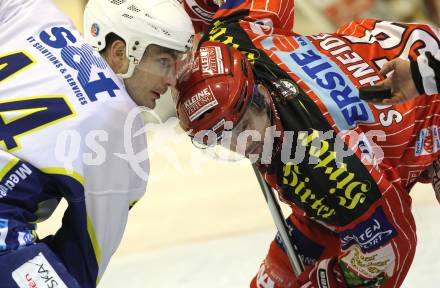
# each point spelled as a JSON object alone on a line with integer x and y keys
{"x": 363, "y": 198}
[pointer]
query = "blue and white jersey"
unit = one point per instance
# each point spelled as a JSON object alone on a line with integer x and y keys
{"x": 66, "y": 126}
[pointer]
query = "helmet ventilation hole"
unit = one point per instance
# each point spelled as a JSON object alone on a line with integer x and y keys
{"x": 134, "y": 8}
{"x": 117, "y": 2}
{"x": 127, "y": 16}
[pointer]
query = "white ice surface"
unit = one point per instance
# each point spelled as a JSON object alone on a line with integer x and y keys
{"x": 232, "y": 262}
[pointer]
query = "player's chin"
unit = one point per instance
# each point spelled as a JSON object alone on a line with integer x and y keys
{"x": 149, "y": 103}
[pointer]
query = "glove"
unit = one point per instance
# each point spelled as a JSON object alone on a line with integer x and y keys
{"x": 324, "y": 274}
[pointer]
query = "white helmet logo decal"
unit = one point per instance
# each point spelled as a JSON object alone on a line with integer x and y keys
{"x": 94, "y": 30}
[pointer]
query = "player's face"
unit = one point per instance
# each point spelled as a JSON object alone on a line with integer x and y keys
{"x": 152, "y": 77}
{"x": 248, "y": 135}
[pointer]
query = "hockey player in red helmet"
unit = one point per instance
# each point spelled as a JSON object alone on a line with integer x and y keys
{"x": 229, "y": 76}
{"x": 290, "y": 103}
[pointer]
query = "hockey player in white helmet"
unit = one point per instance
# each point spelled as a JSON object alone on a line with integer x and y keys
{"x": 141, "y": 41}
{"x": 63, "y": 129}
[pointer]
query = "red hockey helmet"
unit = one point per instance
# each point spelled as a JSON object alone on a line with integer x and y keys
{"x": 216, "y": 87}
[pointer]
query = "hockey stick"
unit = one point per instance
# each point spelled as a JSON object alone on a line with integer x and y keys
{"x": 280, "y": 223}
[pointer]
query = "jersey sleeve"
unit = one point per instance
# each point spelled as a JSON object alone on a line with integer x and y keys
{"x": 376, "y": 252}
{"x": 92, "y": 228}
{"x": 397, "y": 40}
{"x": 99, "y": 185}
{"x": 108, "y": 174}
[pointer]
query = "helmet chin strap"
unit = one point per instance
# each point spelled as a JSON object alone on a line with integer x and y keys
{"x": 128, "y": 74}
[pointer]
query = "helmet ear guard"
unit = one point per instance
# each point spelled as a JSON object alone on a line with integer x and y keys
{"x": 139, "y": 23}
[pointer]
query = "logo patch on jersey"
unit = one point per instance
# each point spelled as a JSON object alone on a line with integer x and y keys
{"x": 370, "y": 265}
{"x": 199, "y": 103}
{"x": 37, "y": 272}
{"x": 13, "y": 173}
{"x": 370, "y": 234}
{"x": 355, "y": 280}
{"x": 211, "y": 60}
{"x": 3, "y": 233}
{"x": 328, "y": 188}
{"x": 13, "y": 178}
{"x": 286, "y": 88}
{"x": 77, "y": 62}
{"x": 326, "y": 79}
{"x": 25, "y": 238}
{"x": 3, "y": 191}
{"x": 94, "y": 30}
{"x": 428, "y": 141}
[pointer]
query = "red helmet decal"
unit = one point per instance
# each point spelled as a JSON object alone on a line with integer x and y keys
{"x": 211, "y": 60}
{"x": 216, "y": 87}
{"x": 428, "y": 145}
{"x": 199, "y": 103}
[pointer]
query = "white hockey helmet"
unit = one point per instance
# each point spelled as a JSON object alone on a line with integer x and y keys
{"x": 140, "y": 23}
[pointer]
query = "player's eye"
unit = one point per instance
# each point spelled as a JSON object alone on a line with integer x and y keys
{"x": 165, "y": 63}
